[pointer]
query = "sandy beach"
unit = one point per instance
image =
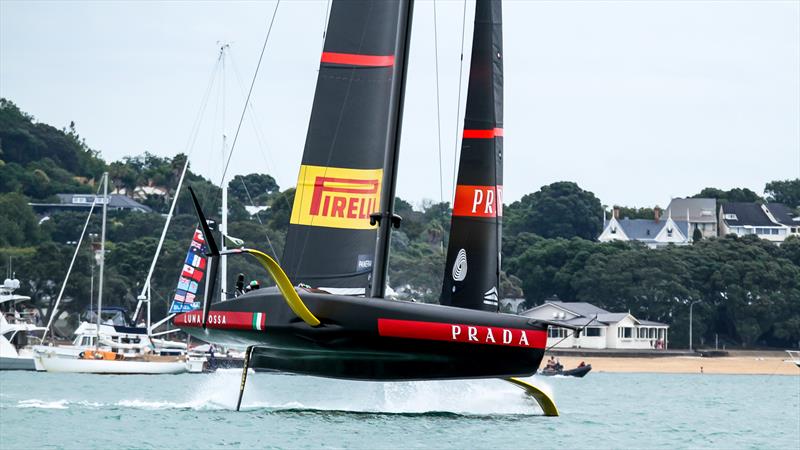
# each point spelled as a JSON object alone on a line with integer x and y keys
{"x": 771, "y": 364}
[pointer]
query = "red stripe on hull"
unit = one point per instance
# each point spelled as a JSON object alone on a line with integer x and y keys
{"x": 223, "y": 320}
{"x": 470, "y": 334}
{"x": 352, "y": 59}
{"x": 483, "y": 134}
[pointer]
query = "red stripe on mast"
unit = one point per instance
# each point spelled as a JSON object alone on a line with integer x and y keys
{"x": 353, "y": 59}
{"x": 483, "y": 134}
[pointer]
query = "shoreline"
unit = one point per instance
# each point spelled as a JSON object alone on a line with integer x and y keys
{"x": 729, "y": 365}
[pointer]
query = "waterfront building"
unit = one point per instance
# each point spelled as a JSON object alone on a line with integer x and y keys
{"x": 605, "y": 330}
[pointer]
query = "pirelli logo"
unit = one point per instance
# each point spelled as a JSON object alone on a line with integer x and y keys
{"x": 335, "y": 197}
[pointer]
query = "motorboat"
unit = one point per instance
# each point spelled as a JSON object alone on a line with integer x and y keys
{"x": 18, "y": 329}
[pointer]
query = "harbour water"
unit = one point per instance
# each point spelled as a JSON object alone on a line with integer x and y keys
{"x": 605, "y": 410}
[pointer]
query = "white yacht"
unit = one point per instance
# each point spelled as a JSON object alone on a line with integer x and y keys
{"x": 17, "y": 329}
{"x": 127, "y": 343}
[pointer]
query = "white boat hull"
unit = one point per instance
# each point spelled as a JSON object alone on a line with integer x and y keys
{"x": 73, "y": 365}
{"x": 16, "y": 363}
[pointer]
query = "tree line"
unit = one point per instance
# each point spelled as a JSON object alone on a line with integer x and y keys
{"x": 747, "y": 290}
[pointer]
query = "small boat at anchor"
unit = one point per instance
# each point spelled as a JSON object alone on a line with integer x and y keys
{"x": 579, "y": 371}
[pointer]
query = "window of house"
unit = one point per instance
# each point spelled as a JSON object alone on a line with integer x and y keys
{"x": 613, "y": 230}
{"x": 731, "y": 217}
{"x": 556, "y": 332}
{"x": 627, "y": 332}
{"x": 669, "y": 232}
{"x": 593, "y": 332}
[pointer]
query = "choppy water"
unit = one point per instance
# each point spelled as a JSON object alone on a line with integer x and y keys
{"x": 281, "y": 411}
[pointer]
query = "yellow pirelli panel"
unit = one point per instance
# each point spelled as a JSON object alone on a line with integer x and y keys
{"x": 336, "y": 198}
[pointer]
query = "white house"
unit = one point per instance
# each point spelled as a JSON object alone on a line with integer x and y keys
{"x": 700, "y": 213}
{"x": 743, "y": 219}
{"x": 785, "y": 216}
{"x": 605, "y": 330}
{"x": 653, "y": 233}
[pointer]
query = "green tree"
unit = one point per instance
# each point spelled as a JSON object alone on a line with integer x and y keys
{"x": 733, "y": 195}
{"x": 561, "y": 209}
{"x": 18, "y": 224}
{"x": 260, "y": 188}
{"x": 786, "y": 192}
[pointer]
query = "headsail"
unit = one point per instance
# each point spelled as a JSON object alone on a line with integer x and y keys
{"x": 331, "y": 243}
{"x": 472, "y": 270}
{"x": 191, "y": 278}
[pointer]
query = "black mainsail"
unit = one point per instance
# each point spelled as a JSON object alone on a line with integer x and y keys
{"x": 347, "y": 171}
{"x": 472, "y": 270}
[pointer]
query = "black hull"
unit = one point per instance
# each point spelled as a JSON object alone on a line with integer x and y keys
{"x": 373, "y": 339}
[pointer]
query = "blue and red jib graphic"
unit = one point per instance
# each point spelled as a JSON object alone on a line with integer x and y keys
{"x": 191, "y": 276}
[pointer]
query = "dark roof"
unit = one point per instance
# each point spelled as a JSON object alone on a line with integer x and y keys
{"x": 81, "y": 201}
{"x": 783, "y": 214}
{"x": 746, "y": 214}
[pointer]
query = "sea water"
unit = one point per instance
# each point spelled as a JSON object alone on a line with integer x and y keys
{"x": 603, "y": 410}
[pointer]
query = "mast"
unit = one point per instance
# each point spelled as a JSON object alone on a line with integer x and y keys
{"x": 472, "y": 269}
{"x": 102, "y": 259}
{"x": 388, "y": 219}
{"x": 223, "y": 227}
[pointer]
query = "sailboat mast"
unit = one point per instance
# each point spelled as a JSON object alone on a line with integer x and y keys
{"x": 102, "y": 259}
{"x": 380, "y": 267}
{"x": 223, "y": 227}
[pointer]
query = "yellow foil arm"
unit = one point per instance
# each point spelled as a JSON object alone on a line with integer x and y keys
{"x": 285, "y": 286}
{"x": 544, "y": 400}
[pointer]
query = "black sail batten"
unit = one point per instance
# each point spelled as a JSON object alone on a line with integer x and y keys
{"x": 330, "y": 241}
{"x": 472, "y": 270}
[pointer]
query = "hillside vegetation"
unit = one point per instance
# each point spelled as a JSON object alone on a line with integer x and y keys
{"x": 748, "y": 290}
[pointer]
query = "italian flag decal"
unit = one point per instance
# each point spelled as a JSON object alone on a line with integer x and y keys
{"x": 259, "y": 321}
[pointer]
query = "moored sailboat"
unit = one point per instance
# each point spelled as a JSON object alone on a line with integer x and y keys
{"x": 105, "y": 354}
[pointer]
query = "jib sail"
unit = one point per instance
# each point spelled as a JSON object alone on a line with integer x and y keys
{"x": 191, "y": 278}
{"x": 330, "y": 242}
{"x": 472, "y": 270}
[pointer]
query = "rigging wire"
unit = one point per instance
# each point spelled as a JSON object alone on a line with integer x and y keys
{"x": 458, "y": 108}
{"x": 254, "y": 121}
{"x": 438, "y": 113}
{"x": 258, "y": 217}
{"x": 250, "y": 92}
{"x": 264, "y": 155}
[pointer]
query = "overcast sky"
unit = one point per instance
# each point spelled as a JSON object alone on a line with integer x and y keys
{"x": 637, "y": 101}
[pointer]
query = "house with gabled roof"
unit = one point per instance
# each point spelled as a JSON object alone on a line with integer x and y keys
{"x": 743, "y": 219}
{"x": 785, "y": 216}
{"x": 603, "y": 329}
{"x": 700, "y": 213}
{"x": 655, "y": 233}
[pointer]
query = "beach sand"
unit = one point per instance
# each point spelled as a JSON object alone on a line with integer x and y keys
{"x": 737, "y": 364}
